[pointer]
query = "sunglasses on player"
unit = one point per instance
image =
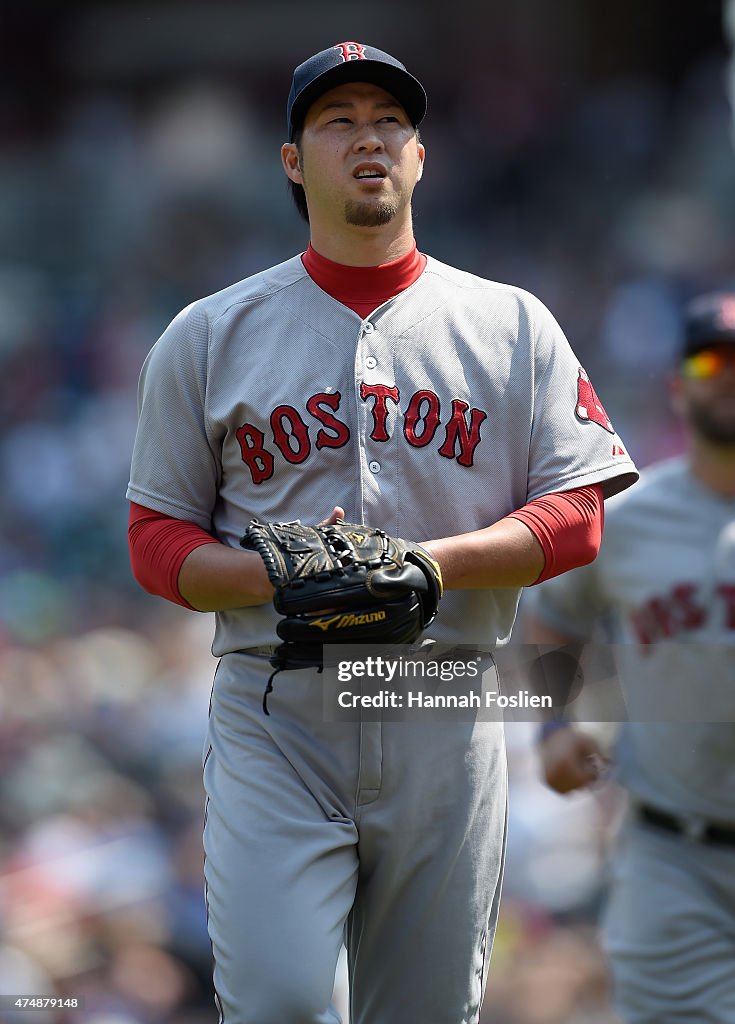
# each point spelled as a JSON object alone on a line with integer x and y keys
{"x": 708, "y": 363}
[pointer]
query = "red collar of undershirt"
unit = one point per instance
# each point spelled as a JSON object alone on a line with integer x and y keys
{"x": 363, "y": 289}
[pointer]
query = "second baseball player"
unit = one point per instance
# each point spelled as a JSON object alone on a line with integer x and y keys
{"x": 666, "y": 577}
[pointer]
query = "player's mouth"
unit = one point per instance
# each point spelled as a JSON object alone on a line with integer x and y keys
{"x": 370, "y": 172}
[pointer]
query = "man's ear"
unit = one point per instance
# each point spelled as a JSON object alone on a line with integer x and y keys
{"x": 422, "y": 155}
{"x": 292, "y": 162}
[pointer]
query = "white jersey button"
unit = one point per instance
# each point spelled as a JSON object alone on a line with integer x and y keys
{"x": 371, "y": 362}
{"x": 374, "y": 467}
{"x": 368, "y": 328}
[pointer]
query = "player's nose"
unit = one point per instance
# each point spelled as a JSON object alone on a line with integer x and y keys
{"x": 368, "y": 140}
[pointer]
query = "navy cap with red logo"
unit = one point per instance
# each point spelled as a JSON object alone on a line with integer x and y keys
{"x": 709, "y": 320}
{"x": 352, "y": 62}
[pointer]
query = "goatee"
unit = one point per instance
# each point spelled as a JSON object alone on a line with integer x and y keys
{"x": 369, "y": 215}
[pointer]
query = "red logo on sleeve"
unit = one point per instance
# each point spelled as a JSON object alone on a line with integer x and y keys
{"x": 589, "y": 407}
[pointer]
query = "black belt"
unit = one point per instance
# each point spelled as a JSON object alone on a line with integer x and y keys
{"x": 693, "y": 828}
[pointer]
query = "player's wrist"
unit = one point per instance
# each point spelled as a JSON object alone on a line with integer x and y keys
{"x": 258, "y": 585}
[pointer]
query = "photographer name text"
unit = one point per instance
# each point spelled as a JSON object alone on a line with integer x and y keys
{"x": 419, "y": 700}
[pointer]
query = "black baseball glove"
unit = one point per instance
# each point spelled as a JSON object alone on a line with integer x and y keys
{"x": 343, "y": 584}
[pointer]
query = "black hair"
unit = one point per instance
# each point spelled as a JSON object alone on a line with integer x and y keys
{"x": 297, "y": 191}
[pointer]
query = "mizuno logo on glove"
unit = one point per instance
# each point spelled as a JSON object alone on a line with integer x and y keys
{"x": 342, "y": 621}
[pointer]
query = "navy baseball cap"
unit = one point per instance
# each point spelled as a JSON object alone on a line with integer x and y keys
{"x": 709, "y": 320}
{"x": 352, "y": 62}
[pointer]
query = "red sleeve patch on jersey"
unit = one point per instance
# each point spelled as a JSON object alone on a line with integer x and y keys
{"x": 589, "y": 407}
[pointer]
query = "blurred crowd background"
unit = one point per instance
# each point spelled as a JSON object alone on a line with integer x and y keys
{"x": 582, "y": 151}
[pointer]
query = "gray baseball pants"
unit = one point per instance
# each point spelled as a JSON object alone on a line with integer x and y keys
{"x": 669, "y": 929}
{"x": 387, "y": 835}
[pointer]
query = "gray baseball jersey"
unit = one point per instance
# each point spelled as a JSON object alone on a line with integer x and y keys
{"x": 453, "y": 404}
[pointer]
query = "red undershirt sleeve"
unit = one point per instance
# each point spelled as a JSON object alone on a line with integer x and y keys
{"x": 567, "y": 525}
{"x": 158, "y": 545}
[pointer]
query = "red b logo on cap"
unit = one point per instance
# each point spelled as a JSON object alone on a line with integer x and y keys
{"x": 351, "y": 51}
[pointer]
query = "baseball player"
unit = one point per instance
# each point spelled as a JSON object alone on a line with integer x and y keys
{"x": 666, "y": 572}
{"x": 359, "y": 380}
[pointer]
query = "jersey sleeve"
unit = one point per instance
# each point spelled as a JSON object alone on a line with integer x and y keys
{"x": 573, "y": 442}
{"x": 175, "y": 467}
